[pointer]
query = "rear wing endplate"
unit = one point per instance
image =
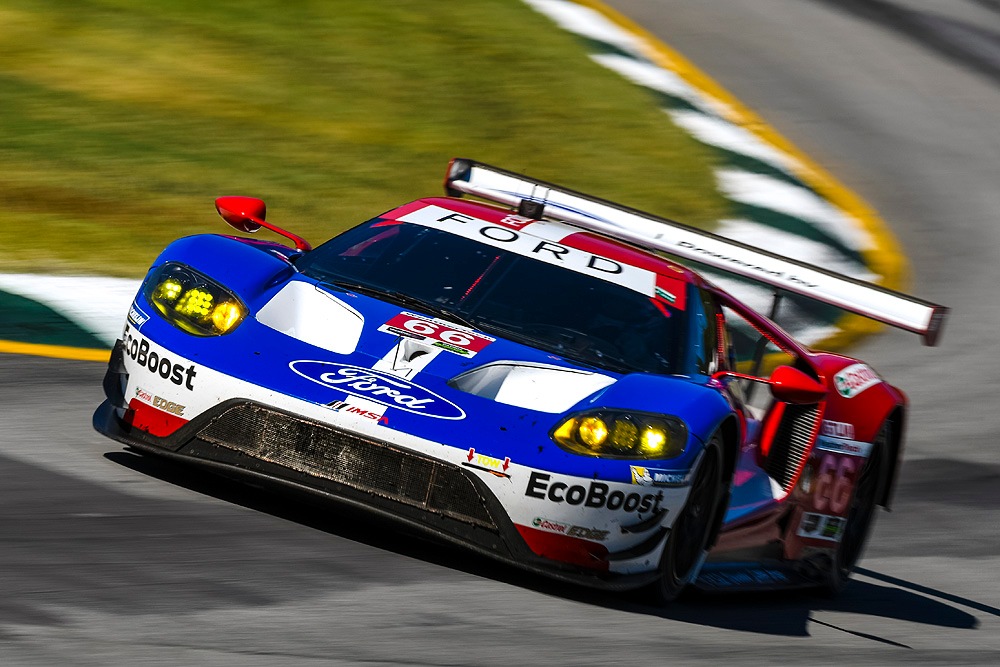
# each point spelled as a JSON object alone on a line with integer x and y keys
{"x": 537, "y": 199}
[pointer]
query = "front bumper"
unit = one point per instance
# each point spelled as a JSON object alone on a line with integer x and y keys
{"x": 268, "y": 446}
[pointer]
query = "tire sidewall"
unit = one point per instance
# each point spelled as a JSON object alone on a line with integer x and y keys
{"x": 671, "y": 582}
{"x": 844, "y": 563}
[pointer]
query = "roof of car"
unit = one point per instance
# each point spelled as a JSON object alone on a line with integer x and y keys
{"x": 557, "y": 232}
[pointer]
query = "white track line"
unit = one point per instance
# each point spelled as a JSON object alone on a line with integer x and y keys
{"x": 97, "y": 304}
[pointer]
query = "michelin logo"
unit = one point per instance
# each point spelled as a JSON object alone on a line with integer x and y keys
{"x": 644, "y": 476}
{"x": 136, "y": 316}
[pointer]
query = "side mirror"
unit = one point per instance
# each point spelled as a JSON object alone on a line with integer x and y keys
{"x": 240, "y": 211}
{"x": 791, "y": 385}
{"x": 247, "y": 215}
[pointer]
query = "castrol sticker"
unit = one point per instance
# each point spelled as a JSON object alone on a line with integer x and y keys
{"x": 853, "y": 380}
{"x": 438, "y": 333}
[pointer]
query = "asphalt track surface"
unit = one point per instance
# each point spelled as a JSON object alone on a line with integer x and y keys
{"x": 110, "y": 558}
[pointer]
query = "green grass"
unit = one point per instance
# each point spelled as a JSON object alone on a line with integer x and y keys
{"x": 121, "y": 121}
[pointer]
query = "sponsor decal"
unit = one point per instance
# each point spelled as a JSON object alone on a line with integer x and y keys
{"x": 159, "y": 402}
{"x": 854, "y": 379}
{"x": 517, "y": 241}
{"x": 551, "y": 526}
{"x": 516, "y": 221}
{"x": 136, "y": 316}
{"x": 672, "y": 291}
{"x": 438, "y": 333}
{"x": 168, "y": 406}
{"x": 588, "y": 533}
{"x": 581, "y": 532}
{"x": 364, "y": 411}
{"x": 837, "y": 429}
{"x": 597, "y": 495}
{"x": 137, "y": 348}
{"x": 822, "y": 526}
{"x": 753, "y": 576}
{"x": 644, "y": 476}
{"x": 806, "y": 479}
{"x": 379, "y": 387}
{"x": 489, "y": 464}
{"x": 667, "y": 296}
{"x": 843, "y": 446}
{"x": 731, "y": 258}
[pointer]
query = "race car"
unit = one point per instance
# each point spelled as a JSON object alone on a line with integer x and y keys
{"x": 530, "y": 372}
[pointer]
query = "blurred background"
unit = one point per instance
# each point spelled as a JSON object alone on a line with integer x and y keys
{"x": 120, "y": 122}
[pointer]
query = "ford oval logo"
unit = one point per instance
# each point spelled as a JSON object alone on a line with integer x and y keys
{"x": 383, "y": 388}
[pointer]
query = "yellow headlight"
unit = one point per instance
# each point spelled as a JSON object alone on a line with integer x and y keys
{"x": 565, "y": 431}
{"x": 623, "y": 435}
{"x": 192, "y": 301}
{"x": 653, "y": 439}
{"x": 225, "y": 315}
{"x": 195, "y": 303}
{"x": 593, "y": 432}
{"x": 168, "y": 291}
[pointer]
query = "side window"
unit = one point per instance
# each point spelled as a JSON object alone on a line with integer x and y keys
{"x": 750, "y": 352}
{"x": 704, "y": 333}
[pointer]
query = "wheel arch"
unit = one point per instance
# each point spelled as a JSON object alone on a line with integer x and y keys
{"x": 897, "y": 418}
{"x": 729, "y": 429}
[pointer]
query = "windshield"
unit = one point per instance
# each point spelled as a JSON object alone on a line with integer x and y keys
{"x": 569, "y": 313}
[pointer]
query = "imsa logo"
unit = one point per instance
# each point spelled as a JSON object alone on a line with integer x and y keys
{"x": 347, "y": 408}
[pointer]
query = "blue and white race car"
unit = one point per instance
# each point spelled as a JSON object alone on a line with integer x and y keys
{"x": 527, "y": 376}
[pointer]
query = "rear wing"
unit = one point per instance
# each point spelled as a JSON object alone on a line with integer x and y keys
{"x": 537, "y": 199}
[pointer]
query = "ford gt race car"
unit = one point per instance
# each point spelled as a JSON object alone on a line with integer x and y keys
{"x": 527, "y": 374}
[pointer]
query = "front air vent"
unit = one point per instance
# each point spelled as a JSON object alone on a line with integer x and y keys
{"x": 347, "y": 458}
{"x": 791, "y": 444}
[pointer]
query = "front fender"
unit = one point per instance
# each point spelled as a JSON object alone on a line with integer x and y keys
{"x": 702, "y": 407}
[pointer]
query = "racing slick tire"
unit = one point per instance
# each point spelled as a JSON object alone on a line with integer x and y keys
{"x": 861, "y": 513}
{"x": 693, "y": 528}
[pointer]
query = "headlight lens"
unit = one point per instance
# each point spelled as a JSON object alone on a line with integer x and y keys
{"x": 193, "y": 302}
{"x": 622, "y": 434}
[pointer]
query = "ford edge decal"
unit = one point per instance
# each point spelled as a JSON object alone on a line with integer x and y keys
{"x": 377, "y": 386}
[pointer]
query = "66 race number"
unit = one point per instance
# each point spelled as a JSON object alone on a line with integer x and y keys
{"x": 834, "y": 483}
{"x": 437, "y": 333}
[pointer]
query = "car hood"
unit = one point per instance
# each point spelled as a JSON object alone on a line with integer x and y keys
{"x": 347, "y": 351}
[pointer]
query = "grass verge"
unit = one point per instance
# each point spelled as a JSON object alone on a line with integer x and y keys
{"x": 121, "y": 122}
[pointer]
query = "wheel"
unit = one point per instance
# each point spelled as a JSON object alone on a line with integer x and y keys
{"x": 861, "y": 514}
{"x": 693, "y": 528}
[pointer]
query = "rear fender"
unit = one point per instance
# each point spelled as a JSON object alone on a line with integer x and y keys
{"x": 858, "y": 415}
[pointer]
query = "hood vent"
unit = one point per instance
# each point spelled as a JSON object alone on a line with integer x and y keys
{"x": 309, "y": 314}
{"x": 532, "y": 386}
